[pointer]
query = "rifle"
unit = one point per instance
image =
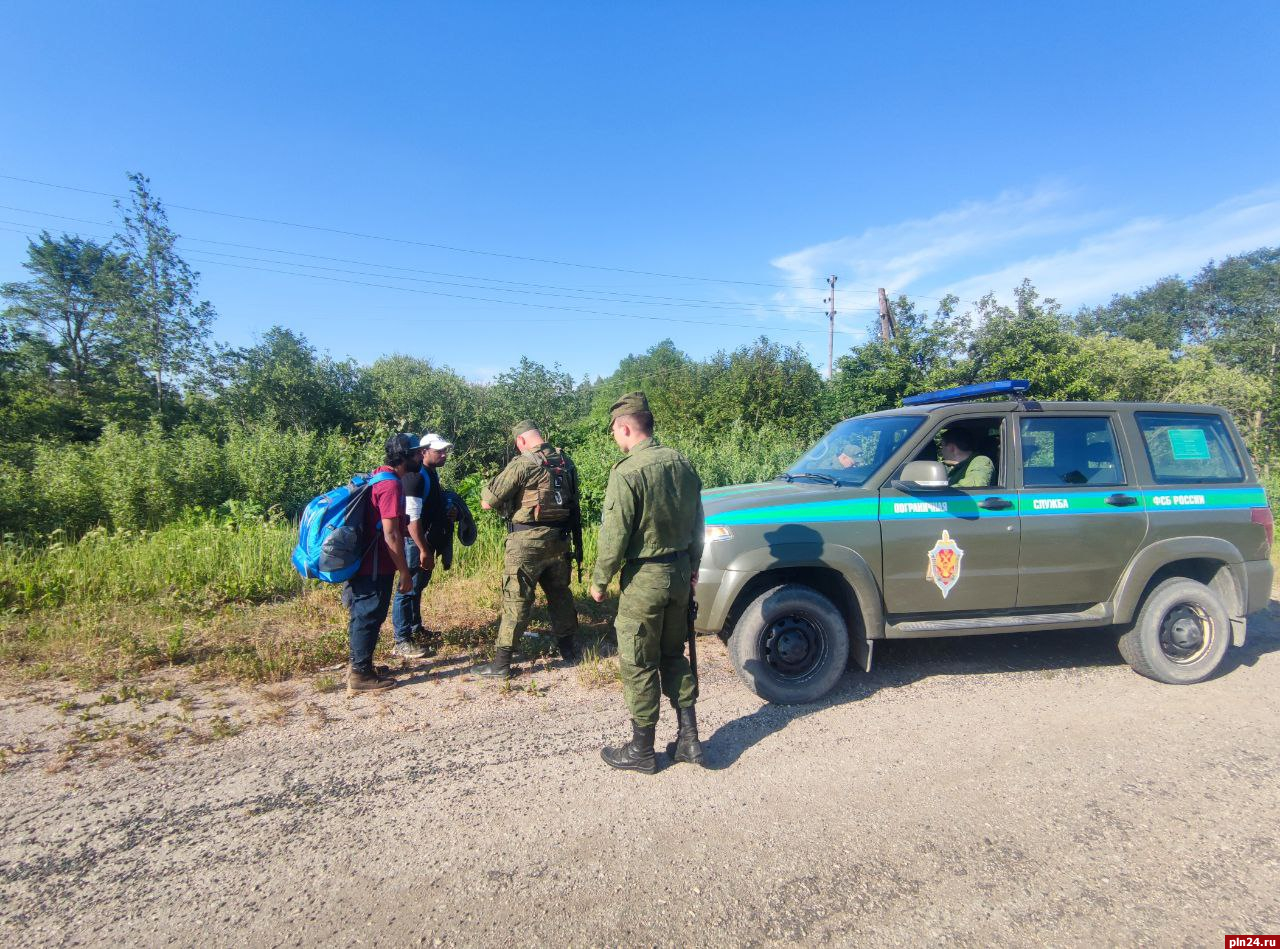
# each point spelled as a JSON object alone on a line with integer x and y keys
{"x": 693, "y": 643}
{"x": 575, "y": 527}
{"x": 575, "y": 522}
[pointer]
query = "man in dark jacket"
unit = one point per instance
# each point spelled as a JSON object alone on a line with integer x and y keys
{"x": 427, "y": 535}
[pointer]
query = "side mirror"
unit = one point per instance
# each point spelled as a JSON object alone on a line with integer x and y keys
{"x": 923, "y": 475}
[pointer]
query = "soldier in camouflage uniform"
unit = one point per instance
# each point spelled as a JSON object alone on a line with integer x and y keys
{"x": 652, "y": 532}
{"x": 537, "y": 493}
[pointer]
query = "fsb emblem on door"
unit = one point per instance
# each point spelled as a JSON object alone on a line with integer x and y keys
{"x": 944, "y": 563}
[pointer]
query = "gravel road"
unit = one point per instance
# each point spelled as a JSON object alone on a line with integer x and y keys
{"x": 1001, "y": 790}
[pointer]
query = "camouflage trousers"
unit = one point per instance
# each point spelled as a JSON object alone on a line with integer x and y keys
{"x": 535, "y": 559}
{"x": 652, "y": 625}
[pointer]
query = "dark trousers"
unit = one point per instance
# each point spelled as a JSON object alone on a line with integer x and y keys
{"x": 368, "y": 599}
{"x": 406, "y": 613}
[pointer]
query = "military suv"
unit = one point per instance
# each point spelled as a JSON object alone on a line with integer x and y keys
{"x": 1146, "y": 517}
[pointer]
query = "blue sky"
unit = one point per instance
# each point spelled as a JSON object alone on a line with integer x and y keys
{"x": 544, "y": 180}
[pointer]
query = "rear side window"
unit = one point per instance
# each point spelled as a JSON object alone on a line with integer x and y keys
{"x": 1066, "y": 451}
{"x": 1186, "y": 448}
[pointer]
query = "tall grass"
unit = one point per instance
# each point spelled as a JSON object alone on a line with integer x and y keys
{"x": 201, "y": 562}
{"x": 142, "y": 480}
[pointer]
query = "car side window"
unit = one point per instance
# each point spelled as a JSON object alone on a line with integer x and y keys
{"x": 1185, "y": 448}
{"x": 1058, "y": 451}
{"x": 972, "y": 449}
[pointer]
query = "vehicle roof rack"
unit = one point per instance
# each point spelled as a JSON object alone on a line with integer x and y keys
{"x": 1012, "y": 388}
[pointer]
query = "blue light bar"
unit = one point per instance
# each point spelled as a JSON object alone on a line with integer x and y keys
{"x": 1010, "y": 387}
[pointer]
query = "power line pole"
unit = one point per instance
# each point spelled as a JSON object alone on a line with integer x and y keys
{"x": 887, "y": 327}
{"x": 831, "y": 330}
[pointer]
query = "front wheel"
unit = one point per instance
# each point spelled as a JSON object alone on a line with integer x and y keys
{"x": 791, "y": 645}
{"x": 1180, "y": 635}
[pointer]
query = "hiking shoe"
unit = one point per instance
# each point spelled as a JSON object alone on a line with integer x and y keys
{"x": 367, "y": 682}
{"x": 409, "y": 650}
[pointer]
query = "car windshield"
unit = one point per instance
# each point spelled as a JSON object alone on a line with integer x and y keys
{"x": 855, "y": 449}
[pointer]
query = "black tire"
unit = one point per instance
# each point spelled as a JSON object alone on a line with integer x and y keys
{"x": 1180, "y": 634}
{"x": 791, "y": 645}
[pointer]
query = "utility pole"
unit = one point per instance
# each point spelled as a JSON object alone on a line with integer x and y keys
{"x": 831, "y": 330}
{"x": 887, "y": 328}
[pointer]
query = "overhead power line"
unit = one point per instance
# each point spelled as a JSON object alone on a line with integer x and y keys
{"x": 641, "y": 298}
{"x": 420, "y": 243}
{"x": 524, "y": 303}
{"x": 329, "y": 270}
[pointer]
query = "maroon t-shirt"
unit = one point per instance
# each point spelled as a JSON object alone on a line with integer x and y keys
{"x": 387, "y": 501}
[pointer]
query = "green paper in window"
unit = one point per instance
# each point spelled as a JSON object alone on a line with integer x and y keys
{"x": 1188, "y": 444}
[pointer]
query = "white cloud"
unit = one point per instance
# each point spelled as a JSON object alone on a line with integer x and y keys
{"x": 1075, "y": 255}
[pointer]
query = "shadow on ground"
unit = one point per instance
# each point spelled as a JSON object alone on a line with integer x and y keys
{"x": 902, "y": 662}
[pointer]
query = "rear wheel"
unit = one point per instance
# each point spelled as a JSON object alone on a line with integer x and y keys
{"x": 790, "y": 645}
{"x": 1180, "y": 635}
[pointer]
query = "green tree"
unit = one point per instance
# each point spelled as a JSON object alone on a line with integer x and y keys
{"x": 1032, "y": 342}
{"x": 879, "y": 373}
{"x": 168, "y": 328}
{"x": 283, "y": 380}
{"x": 1126, "y": 370}
{"x": 675, "y": 385}
{"x": 73, "y": 298}
{"x": 70, "y": 369}
{"x": 1164, "y": 314}
{"x": 1239, "y": 300}
{"x": 764, "y": 383}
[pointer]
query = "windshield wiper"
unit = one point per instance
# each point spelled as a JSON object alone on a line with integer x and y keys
{"x": 816, "y": 476}
{"x": 785, "y": 476}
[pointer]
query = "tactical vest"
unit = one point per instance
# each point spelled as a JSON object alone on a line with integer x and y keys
{"x": 552, "y": 490}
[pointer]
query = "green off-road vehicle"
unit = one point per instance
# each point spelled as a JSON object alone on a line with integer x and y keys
{"x": 1143, "y": 516}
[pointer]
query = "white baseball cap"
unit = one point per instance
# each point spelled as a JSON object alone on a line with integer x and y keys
{"x": 434, "y": 442}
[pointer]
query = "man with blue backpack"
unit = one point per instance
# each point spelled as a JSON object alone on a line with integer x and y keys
{"x": 368, "y": 593}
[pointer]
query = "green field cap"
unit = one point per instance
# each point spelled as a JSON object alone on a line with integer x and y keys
{"x": 630, "y": 404}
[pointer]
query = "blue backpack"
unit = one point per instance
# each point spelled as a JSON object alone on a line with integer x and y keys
{"x": 332, "y": 534}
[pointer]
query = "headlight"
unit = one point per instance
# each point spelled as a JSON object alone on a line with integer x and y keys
{"x": 714, "y": 532}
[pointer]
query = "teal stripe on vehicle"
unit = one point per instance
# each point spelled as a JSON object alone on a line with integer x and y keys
{"x": 1029, "y": 504}
{"x": 964, "y": 506}
{"x": 1204, "y": 499}
{"x": 1048, "y": 503}
{"x": 849, "y": 509}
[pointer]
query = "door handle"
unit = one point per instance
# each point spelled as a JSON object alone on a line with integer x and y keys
{"x": 994, "y": 504}
{"x": 1122, "y": 500}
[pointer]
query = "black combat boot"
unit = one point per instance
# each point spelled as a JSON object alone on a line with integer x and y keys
{"x": 687, "y": 747}
{"x": 569, "y": 649}
{"x": 635, "y": 755}
{"x": 500, "y": 668}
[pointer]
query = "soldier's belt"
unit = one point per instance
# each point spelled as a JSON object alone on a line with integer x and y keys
{"x": 663, "y": 558}
{"x": 514, "y": 528}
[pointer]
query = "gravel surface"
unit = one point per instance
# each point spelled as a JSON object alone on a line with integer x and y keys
{"x": 997, "y": 790}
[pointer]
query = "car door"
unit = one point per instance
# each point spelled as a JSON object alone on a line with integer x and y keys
{"x": 1083, "y": 515}
{"x": 955, "y": 549}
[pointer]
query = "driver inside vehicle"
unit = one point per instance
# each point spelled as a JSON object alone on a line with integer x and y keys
{"x": 849, "y": 456}
{"x": 966, "y": 468}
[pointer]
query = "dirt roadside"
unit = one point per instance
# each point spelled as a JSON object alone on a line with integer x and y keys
{"x": 994, "y": 790}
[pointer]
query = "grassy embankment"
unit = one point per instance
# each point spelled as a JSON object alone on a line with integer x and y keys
{"x": 215, "y": 597}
